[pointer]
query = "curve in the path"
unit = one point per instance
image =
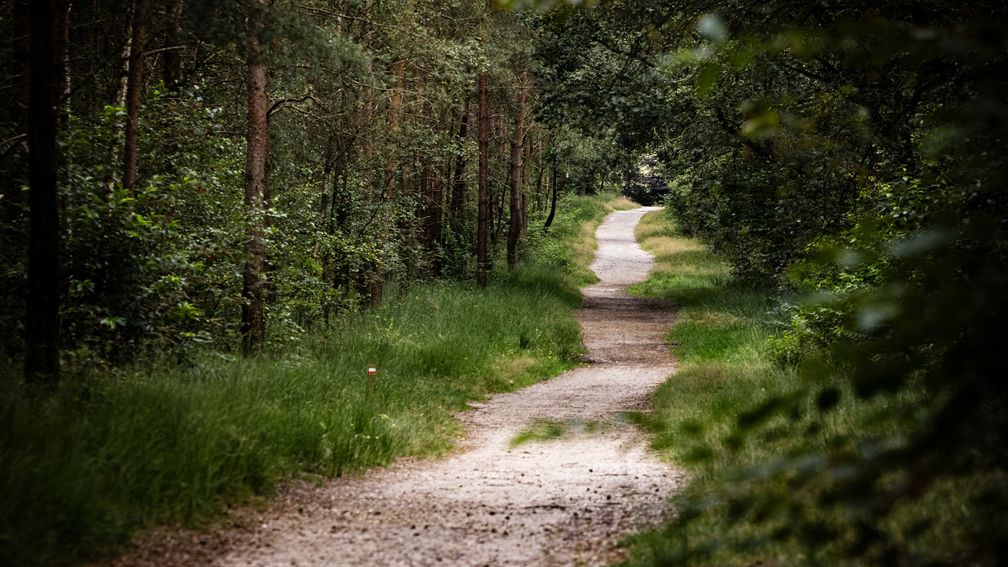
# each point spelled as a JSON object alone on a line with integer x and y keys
{"x": 559, "y": 502}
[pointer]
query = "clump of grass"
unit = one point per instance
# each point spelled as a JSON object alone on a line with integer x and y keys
{"x": 544, "y": 430}
{"x": 549, "y": 430}
{"x": 622, "y": 203}
{"x": 113, "y": 452}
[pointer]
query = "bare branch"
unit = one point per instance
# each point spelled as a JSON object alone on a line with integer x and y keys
{"x": 278, "y": 105}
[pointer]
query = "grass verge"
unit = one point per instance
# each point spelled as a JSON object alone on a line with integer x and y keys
{"x": 110, "y": 453}
{"x": 725, "y": 365}
{"x": 720, "y": 342}
{"x": 748, "y": 482}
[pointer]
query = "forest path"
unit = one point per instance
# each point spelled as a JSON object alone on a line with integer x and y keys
{"x": 557, "y": 502}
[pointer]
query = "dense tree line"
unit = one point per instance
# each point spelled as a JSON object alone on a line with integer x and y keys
{"x": 235, "y": 172}
{"x": 844, "y": 152}
{"x": 187, "y": 175}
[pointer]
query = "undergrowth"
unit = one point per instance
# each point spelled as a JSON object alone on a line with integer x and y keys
{"x": 112, "y": 452}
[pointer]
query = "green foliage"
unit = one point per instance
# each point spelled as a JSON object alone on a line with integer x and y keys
{"x": 839, "y": 154}
{"x": 563, "y": 248}
{"x": 121, "y": 449}
{"x": 133, "y": 260}
{"x": 792, "y": 463}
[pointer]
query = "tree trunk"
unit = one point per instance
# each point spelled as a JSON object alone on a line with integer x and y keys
{"x": 526, "y": 169}
{"x": 253, "y": 324}
{"x": 395, "y": 108}
{"x": 541, "y": 163}
{"x": 524, "y": 217}
{"x": 628, "y": 179}
{"x": 552, "y": 211}
{"x": 517, "y": 151}
{"x": 326, "y": 197}
{"x": 458, "y": 197}
{"x": 134, "y": 86}
{"x": 391, "y": 187}
{"x": 433, "y": 195}
{"x": 483, "y": 215}
{"x": 498, "y": 202}
{"x": 48, "y": 28}
{"x": 173, "y": 57}
{"x": 364, "y": 279}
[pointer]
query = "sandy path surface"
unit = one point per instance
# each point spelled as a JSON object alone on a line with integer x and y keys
{"x": 566, "y": 501}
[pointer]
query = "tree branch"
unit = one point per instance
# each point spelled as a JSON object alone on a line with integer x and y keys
{"x": 13, "y": 145}
{"x": 278, "y": 105}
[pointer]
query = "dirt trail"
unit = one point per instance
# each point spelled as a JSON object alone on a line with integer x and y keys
{"x": 559, "y": 502}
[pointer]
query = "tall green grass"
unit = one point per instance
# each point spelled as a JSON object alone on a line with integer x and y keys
{"x": 720, "y": 341}
{"x": 112, "y": 452}
{"x": 725, "y": 367}
{"x": 726, "y": 370}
